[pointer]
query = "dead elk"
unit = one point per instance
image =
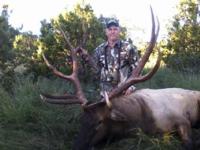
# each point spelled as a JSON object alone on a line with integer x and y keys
{"x": 154, "y": 111}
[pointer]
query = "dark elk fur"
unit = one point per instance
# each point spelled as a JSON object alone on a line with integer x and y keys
{"x": 154, "y": 111}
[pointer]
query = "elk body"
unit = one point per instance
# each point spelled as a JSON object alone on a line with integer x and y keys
{"x": 154, "y": 111}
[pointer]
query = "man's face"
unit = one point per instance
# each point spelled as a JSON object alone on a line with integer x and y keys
{"x": 112, "y": 33}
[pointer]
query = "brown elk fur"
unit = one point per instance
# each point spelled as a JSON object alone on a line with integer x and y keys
{"x": 154, "y": 111}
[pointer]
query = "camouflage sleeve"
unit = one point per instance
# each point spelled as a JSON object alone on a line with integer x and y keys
{"x": 133, "y": 57}
{"x": 133, "y": 61}
{"x": 95, "y": 61}
{"x": 92, "y": 60}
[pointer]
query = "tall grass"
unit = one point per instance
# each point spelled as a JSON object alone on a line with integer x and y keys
{"x": 27, "y": 123}
{"x": 166, "y": 78}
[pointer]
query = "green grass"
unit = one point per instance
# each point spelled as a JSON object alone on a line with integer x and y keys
{"x": 166, "y": 78}
{"x": 27, "y": 123}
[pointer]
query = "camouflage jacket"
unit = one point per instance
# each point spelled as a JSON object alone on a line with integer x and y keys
{"x": 113, "y": 69}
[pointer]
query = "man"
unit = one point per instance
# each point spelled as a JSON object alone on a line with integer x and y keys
{"x": 114, "y": 59}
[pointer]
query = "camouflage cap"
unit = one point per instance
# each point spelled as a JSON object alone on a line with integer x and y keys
{"x": 112, "y": 22}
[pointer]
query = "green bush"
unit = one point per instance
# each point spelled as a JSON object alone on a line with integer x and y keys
{"x": 184, "y": 62}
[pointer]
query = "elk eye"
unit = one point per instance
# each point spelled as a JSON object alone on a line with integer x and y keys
{"x": 99, "y": 122}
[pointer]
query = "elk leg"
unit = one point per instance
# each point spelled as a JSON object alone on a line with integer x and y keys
{"x": 184, "y": 130}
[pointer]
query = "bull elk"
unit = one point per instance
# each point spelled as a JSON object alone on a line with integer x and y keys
{"x": 152, "y": 110}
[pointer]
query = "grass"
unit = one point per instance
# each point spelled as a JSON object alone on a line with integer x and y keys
{"x": 26, "y": 123}
{"x": 141, "y": 141}
{"x": 166, "y": 78}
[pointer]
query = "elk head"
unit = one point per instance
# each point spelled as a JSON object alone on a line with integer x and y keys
{"x": 97, "y": 120}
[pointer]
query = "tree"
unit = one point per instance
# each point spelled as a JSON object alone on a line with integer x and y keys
{"x": 183, "y": 44}
{"x": 7, "y": 35}
{"x": 25, "y": 45}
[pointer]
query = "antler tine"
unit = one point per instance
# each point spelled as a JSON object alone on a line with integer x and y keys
{"x": 73, "y": 78}
{"x": 54, "y": 70}
{"x": 66, "y": 37}
{"x": 75, "y": 68}
{"x": 131, "y": 81}
{"x": 65, "y": 100}
{"x": 135, "y": 77}
{"x": 80, "y": 98}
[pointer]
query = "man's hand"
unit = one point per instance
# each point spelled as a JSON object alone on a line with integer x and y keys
{"x": 83, "y": 53}
{"x": 130, "y": 90}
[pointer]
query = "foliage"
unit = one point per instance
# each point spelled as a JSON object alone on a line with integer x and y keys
{"x": 25, "y": 44}
{"x": 7, "y": 36}
{"x": 26, "y": 123}
{"x": 182, "y": 50}
{"x": 16, "y": 50}
{"x": 166, "y": 77}
{"x": 82, "y": 28}
{"x": 25, "y": 47}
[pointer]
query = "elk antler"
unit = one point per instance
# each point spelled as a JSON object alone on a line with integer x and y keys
{"x": 135, "y": 77}
{"x": 78, "y": 97}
